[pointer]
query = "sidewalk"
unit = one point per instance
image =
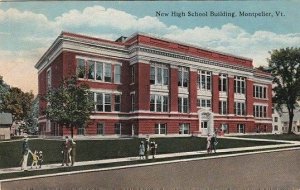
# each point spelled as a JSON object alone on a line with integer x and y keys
{"x": 169, "y": 155}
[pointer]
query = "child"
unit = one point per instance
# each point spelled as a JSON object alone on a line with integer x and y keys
{"x": 142, "y": 150}
{"x": 40, "y": 159}
{"x": 34, "y": 159}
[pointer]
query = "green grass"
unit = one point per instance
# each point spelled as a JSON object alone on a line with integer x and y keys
{"x": 98, "y": 166}
{"x": 291, "y": 137}
{"x": 10, "y": 152}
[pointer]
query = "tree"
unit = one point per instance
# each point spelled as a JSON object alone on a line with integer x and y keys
{"x": 18, "y": 103}
{"x": 69, "y": 105}
{"x": 284, "y": 66}
{"x": 31, "y": 120}
{"x": 4, "y": 89}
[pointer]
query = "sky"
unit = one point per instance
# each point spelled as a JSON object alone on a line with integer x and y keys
{"x": 27, "y": 29}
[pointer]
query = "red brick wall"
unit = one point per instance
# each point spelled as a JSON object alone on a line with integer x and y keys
{"x": 249, "y": 97}
{"x": 193, "y": 91}
{"x": 230, "y": 95}
{"x": 173, "y": 87}
{"x": 143, "y": 86}
{"x": 215, "y": 93}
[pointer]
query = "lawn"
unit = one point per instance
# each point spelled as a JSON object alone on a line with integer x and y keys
{"x": 291, "y": 137}
{"x": 10, "y": 152}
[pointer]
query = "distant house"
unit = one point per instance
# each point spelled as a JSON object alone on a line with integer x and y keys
{"x": 276, "y": 123}
{"x": 5, "y": 125}
{"x": 281, "y": 120}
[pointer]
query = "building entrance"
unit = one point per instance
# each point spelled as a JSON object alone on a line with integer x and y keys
{"x": 206, "y": 122}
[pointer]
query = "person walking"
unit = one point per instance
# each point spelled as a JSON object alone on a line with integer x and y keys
{"x": 147, "y": 147}
{"x": 35, "y": 159}
{"x": 25, "y": 152}
{"x": 153, "y": 147}
{"x": 208, "y": 145}
{"x": 214, "y": 143}
{"x": 41, "y": 159}
{"x": 73, "y": 152}
{"x": 66, "y": 149}
{"x": 142, "y": 150}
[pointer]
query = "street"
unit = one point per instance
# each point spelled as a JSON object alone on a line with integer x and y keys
{"x": 276, "y": 170}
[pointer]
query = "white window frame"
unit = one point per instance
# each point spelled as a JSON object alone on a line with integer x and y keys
{"x": 239, "y": 108}
{"x": 161, "y": 74}
{"x": 181, "y": 106}
{"x": 97, "y": 64}
{"x": 239, "y": 85}
{"x": 183, "y": 127}
{"x": 260, "y": 91}
{"x": 223, "y": 107}
{"x": 98, "y": 129}
{"x": 118, "y": 127}
{"x": 204, "y": 80}
{"x": 117, "y": 74}
{"x": 184, "y": 73}
{"x": 204, "y": 103}
{"x": 260, "y": 111}
{"x": 241, "y": 128}
{"x": 162, "y": 98}
{"x": 103, "y": 103}
{"x": 49, "y": 78}
{"x": 117, "y": 103}
{"x": 132, "y": 99}
{"x": 223, "y": 82}
{"x": 159, "y": 127}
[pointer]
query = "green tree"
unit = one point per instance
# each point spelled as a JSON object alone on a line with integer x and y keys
{"x": 284, "y": 66}
{"x": 4, "y": 89}
{"x": 31, "y": 120}
{"x": 69, "y": 105}
{"x": 18, "y": 103}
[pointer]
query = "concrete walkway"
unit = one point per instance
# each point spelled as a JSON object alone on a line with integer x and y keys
{"x": 170, "y": 155}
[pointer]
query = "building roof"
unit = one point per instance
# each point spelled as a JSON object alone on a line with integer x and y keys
{"x": 5, "y": 119}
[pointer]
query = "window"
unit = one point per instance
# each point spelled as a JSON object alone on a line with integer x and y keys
{"x": 99, "y": 71}
{"x": 183, "y": 105}
{"x": 80, "y": 68}
{"x": 118, "y": 129}
{"x": 261, "y": 111}
{"x": 161, "y": 128}
{"x": 132, "y": 74}
{"x": 117, "y": 73}
{"x": 184, "y": 128}
{"x": 100, "y": 128}
{"x": 239, "y": 85}
{"x": 159, "y": 103}
{"x": 159, "y": 74}
{"x": 91, "y": 70}
{"x": 224, "y": 128}
{"x": 95, "y": 70}
{"x": 81, "y": 130}
{"x": 239, "y": 108}
{"x": 183, "y": 77}
{"x": 275, "y": 128}
{"x": 204, "y": 80}
{"x": 117, "y": 102}
{"x": 107, "y": 73}
{"x": 222, "y": 83}
{"x": 204, "y": 103}
{"x": 132, "y": 97}
{"x": 103, "y": 102}
{"x": 223, "y": 107}
{"x": 260, "y": 92}
{"x": 240, "y": 128}
{"x": 49, "y": 82}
